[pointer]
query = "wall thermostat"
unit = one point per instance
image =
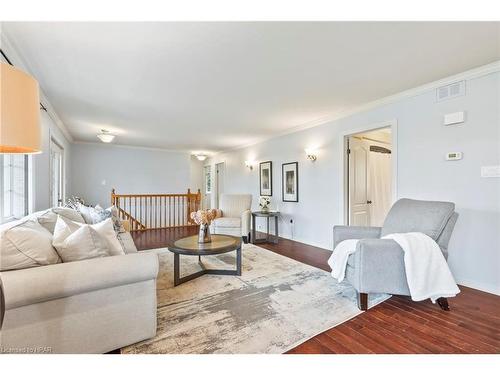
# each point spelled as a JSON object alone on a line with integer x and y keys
{"x": 453, "y": 156}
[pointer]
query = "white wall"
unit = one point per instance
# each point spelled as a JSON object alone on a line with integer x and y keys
{"x": 97, "y": 168}
{"x": 422, "y": 173}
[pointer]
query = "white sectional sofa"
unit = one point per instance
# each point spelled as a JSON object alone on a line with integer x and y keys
{"x": 89, "y": 306}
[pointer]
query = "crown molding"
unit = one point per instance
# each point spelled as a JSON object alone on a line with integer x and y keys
{"x": 16, "y": 58}
{"x": 480, "y": 71}
{"x": 115, "y": 145}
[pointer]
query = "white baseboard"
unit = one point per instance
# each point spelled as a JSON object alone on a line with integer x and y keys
{"x": 488, "y": 288}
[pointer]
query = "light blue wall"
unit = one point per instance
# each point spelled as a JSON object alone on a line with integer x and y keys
{"x": 97, "y": 168}
{"x": 422, "y": 173}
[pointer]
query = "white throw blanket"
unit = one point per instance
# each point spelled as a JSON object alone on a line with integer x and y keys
{"x": 427, "y": 272}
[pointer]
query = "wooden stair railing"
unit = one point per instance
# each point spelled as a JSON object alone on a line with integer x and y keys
{"x": 155, "y": 211}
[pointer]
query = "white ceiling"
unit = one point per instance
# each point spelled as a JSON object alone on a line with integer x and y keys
{"x": 213, "y": 86}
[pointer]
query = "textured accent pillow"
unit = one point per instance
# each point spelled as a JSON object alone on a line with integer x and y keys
{"x": 64, "y": 228}
{"x": 117, "y": 223}
{"x": 48, "y": 218}
{"x": 93, "y": 215}
{"x": 84, "y": 243}
{"x": 25, "y": 243}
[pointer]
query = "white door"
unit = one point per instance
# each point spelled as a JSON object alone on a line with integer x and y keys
{"x": 359, "y": 209}
{"x": 207, "y": 186}
{"x": 219, "y": 182}
{"x": 56, "y": 171}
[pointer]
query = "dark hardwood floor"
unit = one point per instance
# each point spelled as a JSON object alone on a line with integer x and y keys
{"x": 397, "y": 325}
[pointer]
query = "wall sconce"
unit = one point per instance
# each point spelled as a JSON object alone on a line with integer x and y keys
{"x": 249, "y": 164}
{"x": 311, "y": 154}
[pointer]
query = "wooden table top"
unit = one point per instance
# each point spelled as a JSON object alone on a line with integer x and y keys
{"x": 220, "y": 244}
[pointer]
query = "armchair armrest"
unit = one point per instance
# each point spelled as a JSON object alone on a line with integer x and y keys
{"x": 380, "y": 268}
{"x": 246, "y": 217}
{"x": 39, "y": 284}
{"x": 344, "y": 232}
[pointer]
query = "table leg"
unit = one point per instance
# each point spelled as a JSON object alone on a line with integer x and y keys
{"x": 238, "y": 261}
{"x": 267, "y": 235}
{"x": 253, "y": 229}
{"x": 176, "y": 270}
{"x": 276, "y": 229}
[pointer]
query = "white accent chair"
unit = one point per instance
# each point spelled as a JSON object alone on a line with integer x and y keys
{"x": 236, "y": 216}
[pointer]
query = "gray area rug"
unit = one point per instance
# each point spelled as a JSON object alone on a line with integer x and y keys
{"x": 274, "y": 306}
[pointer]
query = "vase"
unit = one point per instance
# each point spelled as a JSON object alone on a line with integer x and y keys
{"x": 265, "y": 209}
{"x": 204, "y": 234}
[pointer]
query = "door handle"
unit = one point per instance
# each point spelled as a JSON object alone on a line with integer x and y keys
{"x": 368, "y": 202}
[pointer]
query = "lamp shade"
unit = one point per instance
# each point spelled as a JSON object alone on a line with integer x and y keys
{"x": 19, "y": 112}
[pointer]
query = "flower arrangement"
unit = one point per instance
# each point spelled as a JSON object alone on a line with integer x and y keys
{"x": 264, "y": 203}
{"x": 203, "y": 217}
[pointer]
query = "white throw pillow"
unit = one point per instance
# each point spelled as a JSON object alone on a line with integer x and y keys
{"x": 48, "y": 218}
{"x": 84, "y": 243}
{"x": 64, "y": 228}
{"x": 25, "y": 243}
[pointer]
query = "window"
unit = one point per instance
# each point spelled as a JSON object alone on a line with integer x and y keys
{"x": 208, "y": 179}
{"x": 14, "y": 186}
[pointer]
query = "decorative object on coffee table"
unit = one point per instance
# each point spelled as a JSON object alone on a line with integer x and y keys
{"x": 203, "y": 218}
{"x": 290, "y": 182}
{"x": 264, "y": 203}
{"x": 190, "y": 246}
{"x": 266, "y": 178}
{"x": 267, "y": 215}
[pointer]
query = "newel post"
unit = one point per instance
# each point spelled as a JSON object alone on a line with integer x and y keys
{"x": 113, "y": 197}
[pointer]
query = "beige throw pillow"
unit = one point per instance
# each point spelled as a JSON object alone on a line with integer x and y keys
{"x": 107, "y": 243}
{"x": 48, "y": 218}
{"x": 84, "y": 243}
{"x": 25, "y": 244}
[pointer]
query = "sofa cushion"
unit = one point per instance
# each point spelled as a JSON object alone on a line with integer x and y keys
{"x": 95, "y": 240}
{"x": 25, "y": 243}
{"x": 409, "y": 215}
{"x": 227, "y": 222}
{"x": 48, "y": 218}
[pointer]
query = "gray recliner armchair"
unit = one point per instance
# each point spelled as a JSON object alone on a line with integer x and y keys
{"x": 377, "y": 266}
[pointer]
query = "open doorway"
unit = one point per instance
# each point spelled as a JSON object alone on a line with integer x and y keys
{"x": 369, "y": 176}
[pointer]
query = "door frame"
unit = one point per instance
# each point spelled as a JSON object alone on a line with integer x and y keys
{"x": 343, "y": 164}
{"x": 52, "y": 140}
{"x": 216, "y": 185}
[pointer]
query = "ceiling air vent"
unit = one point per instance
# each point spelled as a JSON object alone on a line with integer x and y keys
{"x": 450, "y": 91}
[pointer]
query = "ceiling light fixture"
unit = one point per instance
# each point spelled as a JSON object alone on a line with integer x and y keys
{"x": 201, "y": 157}
{"x": 106, "y": 136}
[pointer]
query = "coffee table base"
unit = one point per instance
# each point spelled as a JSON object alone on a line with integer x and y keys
{"x": 205, "y": 271}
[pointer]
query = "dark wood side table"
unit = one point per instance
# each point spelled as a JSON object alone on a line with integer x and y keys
{"x": 189, "y": 246}
{"x": 267, "y": 215}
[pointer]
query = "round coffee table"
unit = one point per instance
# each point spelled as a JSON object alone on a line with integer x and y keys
{"x": 189, "y": 246}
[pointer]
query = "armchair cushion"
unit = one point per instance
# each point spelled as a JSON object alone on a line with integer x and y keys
{"x": 410, "y": 215}
{"x": 232, "y": 205}
{"x": 227, "y": 222}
